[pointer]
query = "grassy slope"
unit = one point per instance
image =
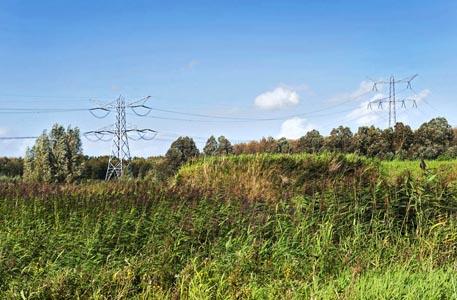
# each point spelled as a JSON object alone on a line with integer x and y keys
{"x": 264, "y": 227}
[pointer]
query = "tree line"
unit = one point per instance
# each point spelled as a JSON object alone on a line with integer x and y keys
{"x": 58, "y": 157}
{"x": 435, "y": 139}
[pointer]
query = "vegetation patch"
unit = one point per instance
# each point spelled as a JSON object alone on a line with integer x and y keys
{"x": 339, "y": 227}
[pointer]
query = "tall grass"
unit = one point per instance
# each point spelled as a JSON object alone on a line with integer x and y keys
{"x": 249, "y": 227}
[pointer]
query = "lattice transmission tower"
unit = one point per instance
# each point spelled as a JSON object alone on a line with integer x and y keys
{"x": 391, "y": 99}
{"x": 120, "y": 151}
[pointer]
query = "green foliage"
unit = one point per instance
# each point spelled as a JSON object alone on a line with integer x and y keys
{"x": 283, "y": 146}
{"x": 312, "y": 142}
{"x": 365, "y": 140}
{"x": 211, "y": 146}
{"x": 11, "y": 166}
{"x": 402, "y": 139}
{"x": 340, "y": 140}
{"x": 432, "y": 139}
{"x": 95, "y": 167}
{"x": 451, "y": 152}
{"x": 181, "y": 151}
{"x": 4, "y": 178}
{"x": 56, "y": 157}
{"x": 383, "y": 147}
{"x": 364, "y": 233}
{"x": 224, "y": 146}
{"x": 269, "y": 145}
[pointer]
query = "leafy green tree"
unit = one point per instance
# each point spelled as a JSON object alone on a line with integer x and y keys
{"x": 454, "y": 140}
{"x": 270, "y": 145}
{"x": 28, "y": 165}
{"x": 224, "y": 147}
{"x": 174, "y": 159}
{"x": 373, "y": 142}
{"x": 95, "y": 167}
{"x": 211, "y": 146}
{"x": 181, "y": 150}
{"x": 451, "y": 152}
{"x": 432, "y": 139}
{"x": 382, "y": 145}
{"x": 283, "y": 146}
{"x": 60, "y": 151}
{"x": 364, "y": 138}
{"x": 40, "y": 157}
{"x": 402, "y": 140}
{"x": 340, "y": 140}
{"x": 56, "y": 157}
{"x": 11, "y": 166}
{"x": 74, "y": 154}
{"x": 312, "y": 142}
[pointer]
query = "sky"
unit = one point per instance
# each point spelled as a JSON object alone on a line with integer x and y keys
{"x": 242, "y": 69}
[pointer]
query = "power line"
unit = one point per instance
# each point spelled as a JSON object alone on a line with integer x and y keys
{"x": 120, "y": 150}
{"x": 104, "y": 111}
{"x": 391, "y": 99}
{"x": 39, "y": 110}
{"x": 18, "y": 137}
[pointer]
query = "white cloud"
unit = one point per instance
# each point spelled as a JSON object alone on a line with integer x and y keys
{"x": 279, "y": 98}
{"x": 365, "y": 114}
{"x": 365, "y": 87}
{"x": 422, "y": 95}
{"x": 303, "y": 88}
{"x": 295, "y": 128}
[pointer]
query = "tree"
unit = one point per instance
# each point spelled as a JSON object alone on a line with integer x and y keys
{"x": 402, "y": 139}
{"x": 11, "y": 166}
{"x": 224, "y": 147}
{"x": 432, "y": 139}
{"x": 28, "y": 165}
{"x": 56, "y": 157}
{"x": 312, "y": 142}
{"x": 382, "y": 145}
{"x": 61, "y": 153}
{"x": 95, "y": 167}
{"x": 39, "y": 157}
{"x": 211, "y": 146}
{"x": 283, "y": 146}
{"x": 74, "y": 154}
{"x": 373, "y": 142}
{"x": 451, "y": 152}
{"x": 269, "y": 145}
{"x": 454, "y": 140}
{"x": 364, "y": 137}
{"x": 340, "y": 140}
{"x": 181, "y": 150}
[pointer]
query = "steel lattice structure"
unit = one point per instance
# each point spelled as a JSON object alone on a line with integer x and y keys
{"x": 391, "y": 99}
{"x": 120, "y": 151}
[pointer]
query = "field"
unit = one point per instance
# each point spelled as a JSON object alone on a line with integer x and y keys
{"x": 242, "y": 227}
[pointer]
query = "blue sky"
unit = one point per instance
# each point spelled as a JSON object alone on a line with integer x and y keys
{"x": 307, "y": 64}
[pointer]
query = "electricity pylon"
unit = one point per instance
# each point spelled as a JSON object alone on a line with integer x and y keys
{"x": 120, "y": 152}
{"x": 391, "y": 99}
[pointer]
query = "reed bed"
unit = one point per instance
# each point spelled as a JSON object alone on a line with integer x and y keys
{"x": 248, "y": 227}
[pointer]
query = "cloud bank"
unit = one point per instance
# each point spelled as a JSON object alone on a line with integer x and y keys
{"x": 365, "y": 87}
{"x": 279, "y": 98}
{"x": 295, "y": 128}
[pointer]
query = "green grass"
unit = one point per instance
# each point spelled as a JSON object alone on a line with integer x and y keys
{"x": 394, "y": 169}
{"x": 340, "y": 228}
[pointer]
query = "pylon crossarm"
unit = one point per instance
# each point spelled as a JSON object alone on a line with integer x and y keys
{"x": 118, "y": 133}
